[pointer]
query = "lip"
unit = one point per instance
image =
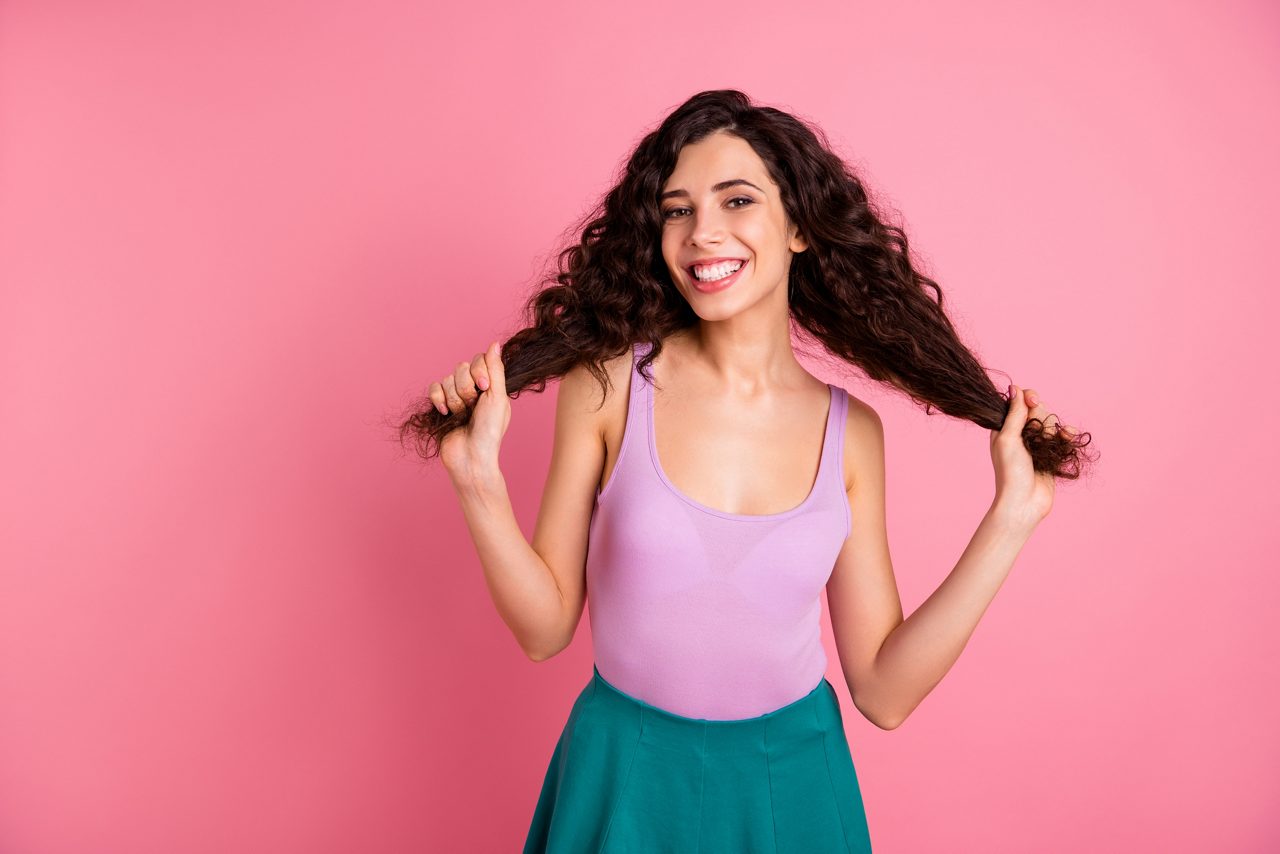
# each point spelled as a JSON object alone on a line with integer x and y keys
{"x": 719, "y": 284}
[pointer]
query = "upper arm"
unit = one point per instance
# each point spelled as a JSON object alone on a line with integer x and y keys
{"x": 862, "y": 594}
{"x": 568, "y": 498}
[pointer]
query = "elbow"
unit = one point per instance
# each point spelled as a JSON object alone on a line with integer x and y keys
{"x": 887, "y": 723}
{"x": 550, "y": 643}
{"x": 882, "y": 719}
{"x": 543, "y": 651}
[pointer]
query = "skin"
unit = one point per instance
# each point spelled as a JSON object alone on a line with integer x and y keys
{"x": 734, "y": 377}
{"x": 731, "y": 387}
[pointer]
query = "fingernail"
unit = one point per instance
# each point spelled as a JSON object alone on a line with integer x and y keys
{"x": 483, "y": 382}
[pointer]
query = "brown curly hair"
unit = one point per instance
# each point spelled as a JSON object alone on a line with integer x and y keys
{"x": 855, "y": 291}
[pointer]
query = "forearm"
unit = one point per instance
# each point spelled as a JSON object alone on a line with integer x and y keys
{"x": 921, "y": 649}
{"x": 521, "y": 585}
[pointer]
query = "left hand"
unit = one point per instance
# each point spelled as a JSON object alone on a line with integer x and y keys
{"x": 1022, "y": 493}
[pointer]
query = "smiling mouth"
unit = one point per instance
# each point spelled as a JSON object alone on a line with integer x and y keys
{"x": 690, "y": 269}
{"x": 720, "y": 284}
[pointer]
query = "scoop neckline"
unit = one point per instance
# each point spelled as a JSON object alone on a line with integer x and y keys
{"x": 724, "y": 514}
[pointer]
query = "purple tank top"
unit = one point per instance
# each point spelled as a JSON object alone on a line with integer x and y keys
{"x": 700, "y": 612}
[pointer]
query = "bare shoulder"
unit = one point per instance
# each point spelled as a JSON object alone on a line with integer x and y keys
{"x": 581, "y": 395}
{"x": 863, "y": 443}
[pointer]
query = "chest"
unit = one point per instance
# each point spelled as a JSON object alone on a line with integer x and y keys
{"x": 740, "y": 457}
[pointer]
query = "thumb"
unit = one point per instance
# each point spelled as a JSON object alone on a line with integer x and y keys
{"x": 497, "y": 373}
{"x": 1016, "y": 418}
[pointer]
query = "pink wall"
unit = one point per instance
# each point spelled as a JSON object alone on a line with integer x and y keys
{"x": 235, "y": 237}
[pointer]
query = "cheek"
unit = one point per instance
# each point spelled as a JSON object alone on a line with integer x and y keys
{"x": 669, "y": 247}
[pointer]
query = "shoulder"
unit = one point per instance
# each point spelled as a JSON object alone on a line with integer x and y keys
{"x": 863, "y": 442}
{"x": 580, "y": 393}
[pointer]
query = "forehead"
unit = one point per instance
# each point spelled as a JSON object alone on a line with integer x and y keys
{"x": 718, "y": 157}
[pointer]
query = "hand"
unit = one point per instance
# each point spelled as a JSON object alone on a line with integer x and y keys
{"x": 1022, "y": 493}
{"x": 481, "y": 385}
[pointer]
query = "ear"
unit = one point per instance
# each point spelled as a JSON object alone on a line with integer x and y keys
{"x": 798, "y": 243}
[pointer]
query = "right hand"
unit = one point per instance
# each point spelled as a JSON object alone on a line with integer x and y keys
{"x": 482, "y": 384}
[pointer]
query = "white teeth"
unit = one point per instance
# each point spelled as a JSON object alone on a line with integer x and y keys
{"x": 717, "y": 271}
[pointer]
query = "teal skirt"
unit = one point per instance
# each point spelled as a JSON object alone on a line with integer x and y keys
{"x": 630, "y": 777}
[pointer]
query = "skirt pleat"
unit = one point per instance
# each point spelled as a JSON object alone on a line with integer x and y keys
{"x": 626, "y": 776}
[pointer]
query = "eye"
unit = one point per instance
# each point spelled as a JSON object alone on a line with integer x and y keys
{"x": 750, "y": 201}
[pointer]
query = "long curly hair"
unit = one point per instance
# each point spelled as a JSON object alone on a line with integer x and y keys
{"x": 856, "y": 290}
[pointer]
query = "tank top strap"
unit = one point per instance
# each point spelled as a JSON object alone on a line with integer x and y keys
{"x": 835, "y": 461}
{"x": 835, "y": 432}
{"x": 637, "y": 398}
{"x": 635, "y": 443}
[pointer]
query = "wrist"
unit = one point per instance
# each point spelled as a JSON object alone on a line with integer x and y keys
{"x": 1011, "y": 518}
{"x": 480, "y": 481}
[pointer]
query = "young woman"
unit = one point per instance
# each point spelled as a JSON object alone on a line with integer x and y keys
{"x": 716, "y": 488}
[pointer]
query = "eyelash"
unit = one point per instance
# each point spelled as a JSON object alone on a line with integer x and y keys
{"x": 667, "y": 213}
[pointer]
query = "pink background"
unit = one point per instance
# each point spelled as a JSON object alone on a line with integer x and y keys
{"x": 236, "y": 238}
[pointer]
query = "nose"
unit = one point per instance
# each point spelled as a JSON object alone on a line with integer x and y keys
{"x": 707, "y": 229}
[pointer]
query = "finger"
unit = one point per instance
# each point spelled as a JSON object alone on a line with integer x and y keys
{"x": 479, "y": 372}
{"x": 435, "y": 393}
{"x": 456, "y": 403}
{"x": 1016, "y": 418}
{"x": 497, "y": 371}
{"x": 463, "y": 383}
{"x": 1036, "y": 407}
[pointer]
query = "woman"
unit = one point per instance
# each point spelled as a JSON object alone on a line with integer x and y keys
{"x": 718, "y": 487}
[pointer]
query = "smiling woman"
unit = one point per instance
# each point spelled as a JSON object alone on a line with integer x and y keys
{"x": 717, "y": 489}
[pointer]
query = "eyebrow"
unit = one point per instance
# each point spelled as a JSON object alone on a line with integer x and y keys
{"x": 723, "y": 185}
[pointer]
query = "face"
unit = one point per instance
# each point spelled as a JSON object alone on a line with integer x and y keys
{"x": 743, "y": 221}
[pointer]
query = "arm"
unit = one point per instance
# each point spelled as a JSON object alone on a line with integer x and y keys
{"x": 539, "y": 589}
{"x": 891, "y": 664}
